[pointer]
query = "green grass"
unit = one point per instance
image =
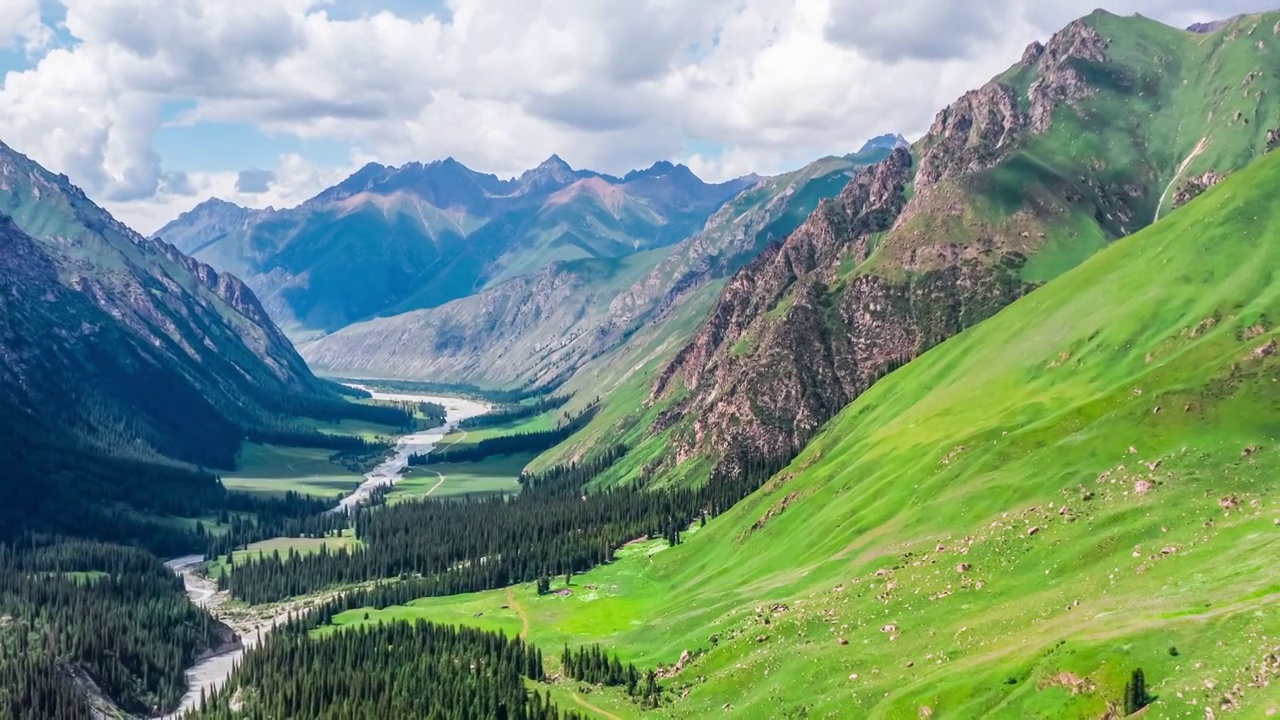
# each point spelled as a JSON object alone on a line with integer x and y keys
{"x": 282, "y": 545}
{"x": 272, "y": 469}
{"x": 493, "y": 475}
{"x": 537, "y": 423}
{"x": 360, "y": 428}
{"x": 1143, "y": 354}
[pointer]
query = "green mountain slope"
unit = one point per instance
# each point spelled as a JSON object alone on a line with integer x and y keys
{"x": 120, "y": 354}
{"x": 390, "y": 240}
{"x": 545, "y": 325}
{"x": 1085, "y": 140}
{"x": 1009, "y": 525}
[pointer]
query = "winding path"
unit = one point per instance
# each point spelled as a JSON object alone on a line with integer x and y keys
{"x": 597, "y": 710}
{"x": 524, "y": 616}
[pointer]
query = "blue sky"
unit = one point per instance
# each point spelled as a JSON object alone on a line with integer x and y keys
{"x": 154, "y": 105}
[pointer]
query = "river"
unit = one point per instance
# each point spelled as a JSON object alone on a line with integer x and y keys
{"x": 211, "y": 671}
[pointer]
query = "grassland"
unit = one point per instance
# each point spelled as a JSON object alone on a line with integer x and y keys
{"x": 493, "y": 475}
{"x": 272, "y": 469}
{"x": 1006, "y": 527}
{"x": 282, "y": 545}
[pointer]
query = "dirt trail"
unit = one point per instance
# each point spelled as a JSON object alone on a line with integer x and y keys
{"x": 599, "y": 711}
{"x": 524, "y": 616}
{"x": 1199, "y": 148}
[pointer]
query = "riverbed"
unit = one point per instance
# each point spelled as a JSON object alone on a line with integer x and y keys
{"x": 390, "y": 471}
{"x": 210, "y": 672}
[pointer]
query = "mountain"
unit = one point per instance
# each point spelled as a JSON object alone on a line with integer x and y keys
{"x": 885, "y": 142}
{"x": 211, "y": 219}
{"x": 544, "y": 325}
{"x": 120, "y": 349}
{"x": 1010, "y": 525}
{"x": 393, "y": 239}
{"x": 1111, "y": 124}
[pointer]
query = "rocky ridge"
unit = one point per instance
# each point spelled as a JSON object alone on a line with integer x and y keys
{"x": 872, "y": 279}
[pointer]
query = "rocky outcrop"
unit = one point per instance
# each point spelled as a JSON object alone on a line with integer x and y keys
{"x": 1060, "y": 80}
{"x": 972, "y": 134}
{"x": 817, "y": 343}
{"x": 1190, "y": 188}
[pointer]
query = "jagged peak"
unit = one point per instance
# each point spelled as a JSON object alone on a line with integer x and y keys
{"x": 887, "y": 141}
{"x": 662, "y": 168}
{"x": 555, "y": 161}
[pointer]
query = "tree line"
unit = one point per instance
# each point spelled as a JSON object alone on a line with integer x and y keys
{"x": 72, "y": 611}
{"x": 393, "y": 670}
{"x": 597, "y": 667}
{"x": 525, "y": 442}
{"x": 554, "y": 526}
{"x": 512, "y": 412}
{"x": 524, "y": 392}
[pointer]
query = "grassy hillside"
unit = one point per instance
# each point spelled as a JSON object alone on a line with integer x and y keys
{"x": 1009, "y": 525}
{"x": 1016, "y": 182}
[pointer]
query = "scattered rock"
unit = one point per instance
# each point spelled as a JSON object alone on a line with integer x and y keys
{"x": 911, "y": 664}
{"x": 1033, "y": 530}
{"x": 926, "y": 712}
{"x": 1168, "y": 550}
{"x": 1249, "y": 451}
{"x": 842, "y": 641}
{"x": 1075, "y": 684}
{"x": 1133, "y": 450}
{"x": 1254, "y": 332}
{"x": 963, "y": 567}
{"x": 853, "y": 676}
{"x": 1228, "y": 502}
{"x": 890, "y": 628}
{"x": 1263, "y": 351}
{"x": 761, "y": 638}
{"x": 1142, "y": 487}
{"x": 1153, "y": 465}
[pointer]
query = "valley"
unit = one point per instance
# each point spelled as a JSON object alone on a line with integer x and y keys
{"x": 979, "y": 425}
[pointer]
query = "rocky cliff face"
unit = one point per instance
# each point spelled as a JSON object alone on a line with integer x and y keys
{"x": 1015, "y": 182}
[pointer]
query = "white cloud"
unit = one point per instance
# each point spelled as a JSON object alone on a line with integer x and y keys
{"x": 502, "y": 84}
{"x": 20, "y": 25}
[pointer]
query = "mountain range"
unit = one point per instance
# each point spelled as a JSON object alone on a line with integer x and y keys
{"x": 540, "y": 327}
{"x": 392, "y": 239}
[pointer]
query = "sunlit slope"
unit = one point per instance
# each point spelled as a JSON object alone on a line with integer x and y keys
{"x": 1010, "y": 525}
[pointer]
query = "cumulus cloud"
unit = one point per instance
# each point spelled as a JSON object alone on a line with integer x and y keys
{"x": 501, "y": 84}
{"x": 945, "y": 29}
{"x": 20, "y": 25}
{"x": 177, "y": 183}
{"x": 253, "y": 182}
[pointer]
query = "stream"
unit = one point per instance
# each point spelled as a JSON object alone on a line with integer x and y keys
{"x": 215, "y": 667}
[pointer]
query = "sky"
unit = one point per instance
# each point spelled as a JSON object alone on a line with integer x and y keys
{"x": 152, "y": 106}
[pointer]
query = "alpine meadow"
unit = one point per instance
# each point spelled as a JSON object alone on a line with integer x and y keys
{"x": 976, "y": 418}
